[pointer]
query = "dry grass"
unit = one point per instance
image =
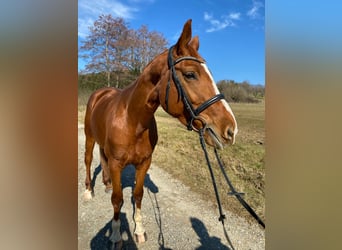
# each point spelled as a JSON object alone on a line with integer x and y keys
{"x": 83, "y": 96}
{"x": 179, "y": 152}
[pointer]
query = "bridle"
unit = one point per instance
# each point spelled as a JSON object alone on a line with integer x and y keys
{"x": 194, "y": 113}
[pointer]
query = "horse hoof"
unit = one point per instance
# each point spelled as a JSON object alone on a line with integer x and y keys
{"x": 117, "y": 245}
{"x": 140, "y": 238}
{"x": 87, "y": 195}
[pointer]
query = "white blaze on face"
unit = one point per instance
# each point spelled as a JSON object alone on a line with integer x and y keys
{"x": 224, "y": 102}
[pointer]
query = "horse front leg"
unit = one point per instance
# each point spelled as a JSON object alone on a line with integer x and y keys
{"x": 138, "y": 193}
{"x": 117, "y": 198}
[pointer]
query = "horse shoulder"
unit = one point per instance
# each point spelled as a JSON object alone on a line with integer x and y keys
{"x": 145, "y": 143}
{"x": 100, "y": 111}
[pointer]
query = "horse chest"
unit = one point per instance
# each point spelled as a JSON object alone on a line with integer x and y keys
{"x": 141, "y": 150}
{"x": 128, "y": 150}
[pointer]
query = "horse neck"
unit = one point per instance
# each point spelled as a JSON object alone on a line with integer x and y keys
{"x": 143, "y": 99}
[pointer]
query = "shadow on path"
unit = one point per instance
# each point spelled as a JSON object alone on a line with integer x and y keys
{"x": 206, "y": 241}
{"x": 157, "y": 217}
{"x": 127, "y": 178}
{"x": 95, "y": 174}
{"x": 101, "y": 239}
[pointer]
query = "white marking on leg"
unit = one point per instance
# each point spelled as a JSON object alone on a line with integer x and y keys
{"x": 224, "y": 102}
{"x": 116, "y": 236}
{"x": 139, "y": 229}
{"x": 87, "y": 195}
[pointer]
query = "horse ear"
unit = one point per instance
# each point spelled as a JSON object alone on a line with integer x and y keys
{"x": 184, "y": 39}
{"x": 194, "y": 43}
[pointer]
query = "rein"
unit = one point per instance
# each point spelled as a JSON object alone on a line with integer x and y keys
{"x": 237, "y": 195}
{"x": 194, "y": 113}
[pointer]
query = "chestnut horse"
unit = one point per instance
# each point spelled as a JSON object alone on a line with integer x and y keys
{"x": 122, "y": 121}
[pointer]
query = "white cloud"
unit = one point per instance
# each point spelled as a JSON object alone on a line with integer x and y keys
{"x": 83, "y": 26}
{"x": 234, "y": 16}
{"x": 222, "y": 23}
{"x": 114, "y": 7}
{"x": 90, "y": 10}
{"x": 207, "y": 17}
{"x": 253, "y": 12}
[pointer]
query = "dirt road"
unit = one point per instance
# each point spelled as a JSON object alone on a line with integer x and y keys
{"x": 173, "y": 216}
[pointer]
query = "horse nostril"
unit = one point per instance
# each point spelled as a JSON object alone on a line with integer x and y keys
{"x": 230, "y": 132}
{"x": 231, "y": 136}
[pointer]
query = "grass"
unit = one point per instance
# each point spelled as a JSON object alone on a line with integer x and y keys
{"x": 83, "y": 96}
{"x": 179, "y": 153}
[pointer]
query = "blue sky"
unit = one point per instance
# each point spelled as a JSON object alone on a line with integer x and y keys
{"x": 231, "y": 32}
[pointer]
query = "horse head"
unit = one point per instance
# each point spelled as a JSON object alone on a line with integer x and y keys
{"x": 188, "y": 92}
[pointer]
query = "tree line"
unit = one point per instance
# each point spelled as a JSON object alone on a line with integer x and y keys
{"x": 115, "y": 55}
{"x": 233, "y": 91}
{"x": 241, "y": 92}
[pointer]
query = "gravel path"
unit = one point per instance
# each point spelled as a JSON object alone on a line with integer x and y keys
{"x": 173, "y": 216}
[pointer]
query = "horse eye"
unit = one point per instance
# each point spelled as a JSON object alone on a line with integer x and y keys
{"x": 190, "y": 75}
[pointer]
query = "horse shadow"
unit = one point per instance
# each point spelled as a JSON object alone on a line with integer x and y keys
{"x": 101, "y": 240}
{"x": 206, "y": 241}
{"x": 127, "y": 178}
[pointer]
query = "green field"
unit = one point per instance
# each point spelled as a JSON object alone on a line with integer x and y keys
{"x": 179, "y": 152}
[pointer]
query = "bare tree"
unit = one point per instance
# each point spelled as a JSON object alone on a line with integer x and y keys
{"x": 103, "y": 48}
{"x": 142, "y": 48}
{"x": 148, "y": 45}
{"x": 133, "y": 55}
{"x": 118, "y": 51}
{"x": 157, "y": 43}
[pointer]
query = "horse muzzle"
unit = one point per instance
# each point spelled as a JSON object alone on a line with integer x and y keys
{"x": 213, "y": 138}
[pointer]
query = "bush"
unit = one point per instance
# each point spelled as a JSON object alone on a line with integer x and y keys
{"x": 241, "y": 92}
{"x": 91, "y": 81}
